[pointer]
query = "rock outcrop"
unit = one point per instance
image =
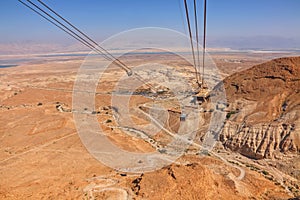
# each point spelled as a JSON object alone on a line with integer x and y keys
{"x": 260, "y": 140}
{"x": 263, "y": 119}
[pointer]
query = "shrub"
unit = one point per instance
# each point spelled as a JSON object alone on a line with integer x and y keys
{"x": 265, "y": 172}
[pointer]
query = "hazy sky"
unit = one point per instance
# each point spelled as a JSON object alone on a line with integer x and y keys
{"x": 103, "y": 18}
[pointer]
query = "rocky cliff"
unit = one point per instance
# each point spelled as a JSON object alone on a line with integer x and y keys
{"x": 263, "y": 113}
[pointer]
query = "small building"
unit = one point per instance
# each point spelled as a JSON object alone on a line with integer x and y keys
{"x": 201, "y": 97}
{"x": 182, "y": 117}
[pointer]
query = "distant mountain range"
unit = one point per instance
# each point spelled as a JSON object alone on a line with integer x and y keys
{"x": 255, "y": 42}
{"x": 235, "y": 43}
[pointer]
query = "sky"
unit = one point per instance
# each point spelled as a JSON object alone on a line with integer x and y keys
{"x": 230, "y": 22}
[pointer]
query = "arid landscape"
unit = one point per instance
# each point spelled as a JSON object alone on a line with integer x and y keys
{"x": 150, "y": 100}
{"x": 256, "y": 156}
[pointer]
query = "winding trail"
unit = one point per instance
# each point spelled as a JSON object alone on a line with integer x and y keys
{"x": 38, "y": 148}
{"x": 187, "y": 141}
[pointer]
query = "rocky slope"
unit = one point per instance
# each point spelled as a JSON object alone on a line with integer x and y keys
{"x": 263, "y": 119}
{"x": 206, "y": 178}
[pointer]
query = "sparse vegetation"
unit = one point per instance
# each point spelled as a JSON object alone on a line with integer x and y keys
{"x": 265, "y": 172}
{"x": 232, "y": 162}
{"x": 252, "y": 167}
{"x": 228, "y": 115}
{"x": 162, "y": 150}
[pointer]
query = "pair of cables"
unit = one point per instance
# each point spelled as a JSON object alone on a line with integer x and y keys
{"x": 200, "y": 80}
{"x": 60, "y": 22}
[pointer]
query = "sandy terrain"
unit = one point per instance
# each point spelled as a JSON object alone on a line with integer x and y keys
{"x": 42, "y": 156}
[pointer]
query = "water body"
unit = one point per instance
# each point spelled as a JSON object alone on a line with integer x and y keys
{"x": 85, "y": 54}
{"x": 64, "y": 55}
{"x": 7, "y": 66}
{"x": 15, "y": 60}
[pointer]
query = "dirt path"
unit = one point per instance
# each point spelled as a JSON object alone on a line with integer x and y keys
{"x": 37, "y": 148}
